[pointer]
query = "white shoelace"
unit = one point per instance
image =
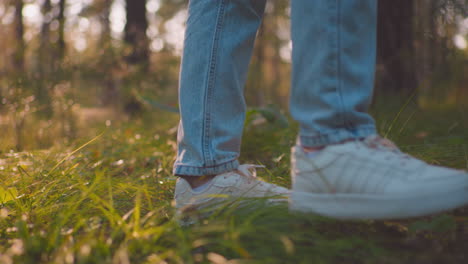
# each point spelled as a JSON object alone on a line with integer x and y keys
{"x": 382, "y": 144}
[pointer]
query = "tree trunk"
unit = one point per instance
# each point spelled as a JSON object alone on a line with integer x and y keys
{"x": 258, "y": 78}
{"x": 44, "y": 48}
{"x": 275, "y": 61}
{"x": 106, "y": 25}
{"x": 18, "y": 57}
{"x": 425, "y": 43}
{"x": 61, "y": 31}
{"x": 45, "y": 61}
{"x": 110, "y": 93}
{"x": 395, "y": 52}
{"x": 135, "y": 32}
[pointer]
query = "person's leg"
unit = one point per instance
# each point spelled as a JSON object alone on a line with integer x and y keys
{"x": 218, "y": 44}
{"x": 334, "y": 45}
{"x": 356, "y": 174}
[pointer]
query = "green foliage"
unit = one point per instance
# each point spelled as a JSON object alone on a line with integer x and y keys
{"x": 7, "y": 194}
{"x": 443, "y": 223}
{"x": 75, "y": 197}
{"x": 271, "y": 113}
{"x": 108, "y": 199}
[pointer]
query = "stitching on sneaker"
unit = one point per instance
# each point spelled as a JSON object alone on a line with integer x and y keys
{"x": 317, "y": 170}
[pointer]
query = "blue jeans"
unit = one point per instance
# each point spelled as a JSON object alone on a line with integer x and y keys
{"x": 333, "y": 63}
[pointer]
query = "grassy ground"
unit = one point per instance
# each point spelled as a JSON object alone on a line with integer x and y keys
{"x": 108, "y": 199}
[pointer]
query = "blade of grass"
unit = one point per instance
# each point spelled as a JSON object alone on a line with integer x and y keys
{"x": 398, "y": 114}
{"x": 75, "y": 151}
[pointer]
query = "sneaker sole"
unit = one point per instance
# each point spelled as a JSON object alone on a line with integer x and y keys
{"x": 196, "y": 212}
{"x": 358, "y": 206}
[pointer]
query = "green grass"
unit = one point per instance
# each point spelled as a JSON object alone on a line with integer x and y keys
{"x": 108, "y": 199}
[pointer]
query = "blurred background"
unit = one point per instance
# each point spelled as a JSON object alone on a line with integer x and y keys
{"x": 68, "y": 64}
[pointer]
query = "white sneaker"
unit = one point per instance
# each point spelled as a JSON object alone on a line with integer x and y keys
{"x": 235, "y": 184}
{"x": 370, "y": 179}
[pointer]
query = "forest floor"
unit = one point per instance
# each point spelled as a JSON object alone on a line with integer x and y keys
{"x": 107, "y": 198}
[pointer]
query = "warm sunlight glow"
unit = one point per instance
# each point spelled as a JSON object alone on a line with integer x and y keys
{"x": 117, "y": 18}
{"x": 460, "y": 39}
{"x": 80, "y": 44}
{"x": 8, "y": 16}
{"x": 175, "y": 30}
{"x": 83, "y": 24}
{"x": 32, "y": 13}
{"x": 153, "y": 6}
{"x": 157, "y": 45}
{"x": 460, "y": 42}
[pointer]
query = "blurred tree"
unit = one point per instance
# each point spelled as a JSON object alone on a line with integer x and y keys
{"x": 44, "y": 47}
{"x": 416, "y": 51}
{"x": 415, "y": 43}
{"x": 107, "y": 62}
{"x": 424, "y": 27}
{"x": 278, "y": 69}
{"x": 110, "y": 92}
{"x": 45, "y": 60}
{"x": 268, "y": 70}
{"x": 61, "y": 31}
{"x": 257, "y": 72}
{"x": 135, "y": 32}
{"x": 105, "y": 7}
{"x": 18, "y": 57}
{"x": 395, "y": 53}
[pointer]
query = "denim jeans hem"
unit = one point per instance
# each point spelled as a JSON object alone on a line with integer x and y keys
{"x": 336, "y": 136}
{"x": 183, "y": 170}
